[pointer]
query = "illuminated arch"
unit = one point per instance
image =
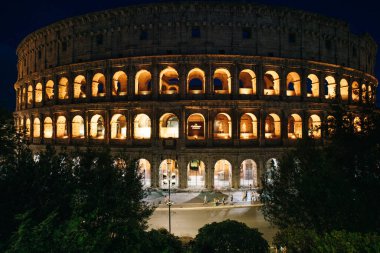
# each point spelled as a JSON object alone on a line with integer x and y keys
{"x": 62, "y": 88}
{"x": 357, "y": 124}
{"x": 23, "y": 98}
{"x": 142, "y": 127}
{"x": 248, "y": 126}
{"x": 271, "y": 83}
{"x": 30, "y": 94}
{"x": 222, "y": 174}
{"x": 196, "y": 174}
{"x": 329, "y": 87}
{"x": 293, "y": 83}
{"x": 196, "y": 81}
{"x": 169, "y": 126}
{"x": 61, "y": 130}
{"x": 331, "y": 125}
{"x": 370, "y": 94}
{"x": 49, "y": 90}
{"x": 196, "y": 127}
{"x": 79, "y": 87}
{"x": 38, "y": 93}
{"x": 222, "y": 126}
{"x": 355, "y": 91}
{"x": 118, "y": 127}
{"x": 48, "y": 128}
{"x": 143, "y": 82}
{"x": 272, "y": 126}
{"x": 169, "y": 81}
{"x": 247, "y": 82}
{"x": 144, "y": 170}
{"x": 294, "y": 126}
{"x": 97, "y": 129}
{"x": 168, "y": 174}
{"x": 343, "y": 89}
{"x": 77, "y": 127}
{"x": 314, "y": 126}
{"x": 98, "y": 87}
{"x": 36, "y": 128}
{"x": 27, "y": 127}
{"x": 248, "y": 173}
{"x": 364, "y": 93}
{"x": 312, "y": 86}
{"x": 119, "y": 84}
{"x": 222, "y": 81}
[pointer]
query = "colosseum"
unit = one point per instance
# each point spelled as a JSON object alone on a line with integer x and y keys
{"x": 204, "y": 94}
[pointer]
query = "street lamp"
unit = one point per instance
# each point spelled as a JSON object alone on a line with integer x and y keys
{"x": 169, "y": 173}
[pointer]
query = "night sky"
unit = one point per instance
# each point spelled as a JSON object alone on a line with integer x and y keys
{"x": 19, "y": 18}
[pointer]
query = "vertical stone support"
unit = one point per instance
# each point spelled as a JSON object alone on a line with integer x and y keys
{"x": 69, "y": 125}
{"x": 182, "y": 170}
{"x": 303, "y": 84}
{"x": 89, "y": 76}
{"x": 284, "y": 126}
{"x": 305, "y": 124}
{"x": 56, "y": 84}
{"x": 209, "y": 80}
{"x": 261, "y": 125}
{"x": 131, "y": 73}
{"x": 155, "y": 164}
{"x": 260, "y": 171}
{"x": 108, "y": 76}
{"x": 155, "y": 81}
{"x": 283, "y": 84}
{"x": 235, "y": 81}
{"x": 235, "y": 173}
{"x": 182, "y": 80}
{"x": 107, "y": 120}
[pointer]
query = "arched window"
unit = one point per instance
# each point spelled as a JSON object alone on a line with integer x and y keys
{"x": 248, "y": 174}
{"x": 196, "y": 174}
{"x": 271, "y": 83}
{"x": 61, "y": 130}
{"x": 312, "y": 86}
{"x": 370, "y": 94}
{"x": 24, "y": 95}
{"x": 50, "y": 90}
{"x": 196, "y": 127}
{"x": 77, "y": 127}
{"x": 222, "y": 81}
{"x": 248, "y": 126}
{"x": 344, "y": 89}
{"x": 143, "y": 83}
{"x": 331, "y": 126}
{"x": 38, "y": 92}
{"x": 196, "y": 81}
{"x": 355, "y": 91}
{"x": 80, "y": 87}
{"x": 222, "y": 126}
{"x": 36, "y": 128}
{"x": 169, "y": 126}
{"x": 168, "y": 174}
{"x": 30, "y": 94}
{"x": 314, "y": 126}
{"x": 98, "y": 85}
{"x": 144, "y": 170}
{"x": 364, "y": 93}
{"x": 272, "y": 126}
{"x": 329, "y": 87}
{"x": 293, "y": 83}
{"x": 169, "y": 81}
{"x": 48, "y": 128}
{"x": 118, "y": 127}
{"x": 119, "y": 84}
{"x": 294, "y": 126}
{"x": 247, "y": 82}
{"x": 97, "y": 129}
{"x": 142, "y": 127}
{"x": 357, "y": 125}
{"x": 222, "y": 174}
{"x": 27, "y": 126}
{"x": 62, "y": 88}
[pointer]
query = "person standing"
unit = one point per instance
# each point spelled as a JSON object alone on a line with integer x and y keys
{"x": 205, "y": 200}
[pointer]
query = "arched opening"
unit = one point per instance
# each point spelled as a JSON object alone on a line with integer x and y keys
{"x": 169, "y": 126}
{"x": 169, "y": 81}
{"x": 271, "y": 83}
{"x": 272, "y": 126}
{"x": 314, "y": 126}
{"x": 222, "y": 81}
{"x": 196, "y": 81}
{"x": 144, "y": 170}
{"x": 49, "y": 90}
{"x": 329, "y": 87}
{"x": 312, "y": 86}
{"x": 370, "y": 94}
{"x": 48, "y": 128}
{"x": 293, "y": 83}
{"x": 62, "y": 88}
{"x": 344, "y": 89}
{"x": 118, "y": 127}
{"x": 364, "y": 93}
{"x": 80, "y": 87}
{"x": 61, "y": 130}
{"x": 27, "y": 127}
{"x": 23, "y": 96}
{"x": 222, "y": 126}
{"x": 222, "y": 174}
{"x": 331, "y": 125}
{"x": 143, "y": 83}
{"x": 248, "y": 174}
{"x": 142, "y": 127}
{"x": 355, "y": 91}
{"x": 77, "y": 127}
{"x": 119, "y": 84}
{"x": 294, "y": 126}
{"x": 248, "y": 126}
{"x": 357, "y": 125}
{"x": 271, "y": 166}
{"x": 97, "y": 129}
{"x": 38, "y": 92}
{"x": 196, "y": 127}
{"x": 168, "y": 174}
{"x": 247, "y": 82}
{"x": 98, "y": 85}
{"x": 196, "y": 174}
{"x": 36, "y": 128}
{"x": 21, "y": 125}
{"x": 30, "y": 94}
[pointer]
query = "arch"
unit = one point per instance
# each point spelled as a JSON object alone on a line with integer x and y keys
{"x": 119, "y": 84}
{"x": 271, "y": 83}
{"x": 247, "y": 82}
{"x": 364, "y": 93}
{"x": 36, "y": 128}
{"x": 357, "y": 124}
{"x": 49, "y": 90}
{"x": 196, "y": 81}
{"x": 370, "y": 94}
{"x": 48, "y": 128}
{"x": 77, "y": 127}
{"x": 314, "y": 126}
{"x": 294, "y": 126}
{"x": 118, "y": 126}
{"x": 62, "y": 88}
{"x": 169, "y": 81}
{"x": 27, "y": 127}
{"x": 30, "y": 94}
{"x": 222, "y": 81}
{"x": 98, "y": 87}
{"x": 312, "y": 86}
{"x": 79, "y": 87}
{"x": 248, "y": 126}
{"x": 196, "y": 127}
{"x": 293, "y": 84}
{"x": 142, "y": 127}
{"x": 222, "y": 174}
{"x": 272, "y": 126}
{"x": 196, "y": 174}
{"x": 248, "y": 174}
{"x": 23, "y": 98}
{"x": 38, "y": 93}
{"x": 222, "y": 126}
{"x": 61, "y": 130}
{"x": 143, "y": 82}
{"x": 331, "y": 125}
{"x": 97, "y": 129}
{"x": 343, "y": 89}
{"x": 145, "y": 172}
{"x": 330, "y": 87}
{"x": 168, "y": 174}
{"x": 355, "y": 91}
{"x": 169, "y": 126}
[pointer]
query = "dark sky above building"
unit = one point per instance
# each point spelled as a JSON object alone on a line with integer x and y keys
{"x": 19, "y": 18}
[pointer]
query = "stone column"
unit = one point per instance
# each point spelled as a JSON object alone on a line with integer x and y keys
{"x": 182, "y": 170}
{"x": 261, "y": 126}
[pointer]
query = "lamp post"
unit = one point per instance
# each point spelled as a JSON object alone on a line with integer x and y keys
{"x": 169, "y": 172}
